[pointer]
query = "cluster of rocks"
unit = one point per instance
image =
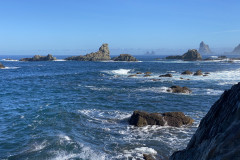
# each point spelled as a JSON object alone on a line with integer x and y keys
{"x": 175, "y": 119}
{"x": 1, "y": 66}
{"x": 124, "y": 57}
{"x": 49, "y": 57}
{"x": 217, "y": 136}
{"x": 190, "y": 55}
{"x": 197, "y": 73}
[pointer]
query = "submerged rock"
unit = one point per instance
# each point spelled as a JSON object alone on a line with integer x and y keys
{"x": 198, "y": 73}
{"x": 49, "y": 57}
{"x": 166, "y": 75}
{"x": 187, "y": 72}
{"x": 1, "y": 66}
{"x": 102, "y": 54}
{"x": 178, "y": 89}
{"x": 204, "y": 49}
{"x": 125, "y": 57}
{"x": 218, "y": 135}
{"x": 190, "y": 55}
{"x": 175, "y": 119}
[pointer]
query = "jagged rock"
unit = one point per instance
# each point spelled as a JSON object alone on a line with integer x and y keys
{"x": 125, "y": 57}
{"x": 204, "y": 49}
{"x": 198, "y": 73}
{"x": 178, "y": 89}
{"x": 148, "y": 157}
{"x": 1, "y": 66}
{"x": 190, "y": 55}
{"x": 49, "y": 57}
{"x": 218, "y": 135}
{"x": 236, "y": 49}
{"x": 102, "y": 54}
{"x": 166, "y": 75}
{"x": 175, "y": 119}
{"x": 187, "y": 72}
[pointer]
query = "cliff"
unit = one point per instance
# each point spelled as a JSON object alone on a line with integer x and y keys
{"x": 102, "y": 54}
{"x": 218, "y": 135}
{"x": 204, "y": 48}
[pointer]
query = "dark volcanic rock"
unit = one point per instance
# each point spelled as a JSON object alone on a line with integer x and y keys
{"x": 166, "y": 75}
{"x": 102, "y": 54}
{"x": 125, "y": 57}
{"x": 198, "y": 73}
{"x": 187, "y": 72}
{"x": 218, "y": 135}
{"x": 236, "y": 49}
{"x": 190, "y": 55}
{"x": 175, "y": 119}
{"x": 178, "y": 89}
{"x": 204, "y": 49}
{"x": 49, "y": 57}
{"x": 1, "y": 66}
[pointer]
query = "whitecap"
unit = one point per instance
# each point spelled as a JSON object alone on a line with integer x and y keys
{"x": 10, "y": 60}
{"x": 118, "y": 71}
{"x": 11, "y": 68}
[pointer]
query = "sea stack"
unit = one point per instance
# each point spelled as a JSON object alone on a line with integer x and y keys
{"x": 103, "y": 54}
{"x": 236, "y": 50}
{"x": 218, "y": 135}
{"x": 49, "y": 57}
{"x": 1, "y": 66}
{"x": 204, "y": 48}
{"x": 125, "y": 57}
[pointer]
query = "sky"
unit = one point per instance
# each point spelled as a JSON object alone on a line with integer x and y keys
{"x": 27, "y": 26}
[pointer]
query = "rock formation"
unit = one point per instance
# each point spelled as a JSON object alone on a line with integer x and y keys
{"x": 1, "y": 66}
{"x": 125, "y": 57}
{"x": 175, "y": 119}
{"x": 187, "y": 72}
{"x": 102, "y": 54}
{"x": 178, "y": 89}
{"x": 218, "y": 135}
{"x": 204, "y": 49}
{"x": 198, "y": 73}
{"x": 236, "y": 50}
{"x": 190, "y": 55}
{"x": 166, "y": 75}
{"x": 49, "y": 57}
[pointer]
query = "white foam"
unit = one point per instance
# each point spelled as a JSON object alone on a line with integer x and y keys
{"x": 118, "y": 71}
{"x": 137, "y": 153}
{"x": 11, "y": 60}
{"x": 59, "y": 60}
{"x": 38, "y": 147}
{"x": 11, "y": 68}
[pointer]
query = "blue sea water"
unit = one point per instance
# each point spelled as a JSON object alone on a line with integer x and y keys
{"x": 80, "y": 110}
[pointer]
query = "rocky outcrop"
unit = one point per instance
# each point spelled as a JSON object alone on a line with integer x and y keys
{"x": 218, "y": 135}
{"x": 198, "y": 73}
{"x": 204, "y": 49}
{"x": 187, "y": 72}
{"x": 49, "y": 57}
{"x": 102, "y": 54}
{"x": 178, "y": 89}
{"x": 190, "y": 55}
{"x": 166, "y": 75}
{"x": 236, "y": 50}
{"x": 1, "y": 66}
{"x": 175, "y": 119}
{"x": 125, "y": 57}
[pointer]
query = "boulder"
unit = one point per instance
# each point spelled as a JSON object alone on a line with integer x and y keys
{"x": 102, "y": 54}
{"x": 187, "y": 72}
{"x": 204, "y": 49}
{"x": 218, "y": 135}
{"x": 125, "y": 57}
{"x": 190, "y": 55}
{"x": 175, "y": 119}
{"x": 49, "y": 57}
{"x": 198, "y": 73}
{"x": 178, "y": 89}
{"x": 1, "y": 66}
{"x": 166, "y": 75}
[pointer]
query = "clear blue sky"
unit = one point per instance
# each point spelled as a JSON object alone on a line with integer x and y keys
{"x": 86, "y": 24}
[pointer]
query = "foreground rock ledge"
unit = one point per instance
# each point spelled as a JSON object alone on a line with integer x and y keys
{"x": 218, "y": 135}
{"x": 175, "y": 119}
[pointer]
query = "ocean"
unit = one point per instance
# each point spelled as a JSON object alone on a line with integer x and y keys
{"x": 75, "y": 110}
